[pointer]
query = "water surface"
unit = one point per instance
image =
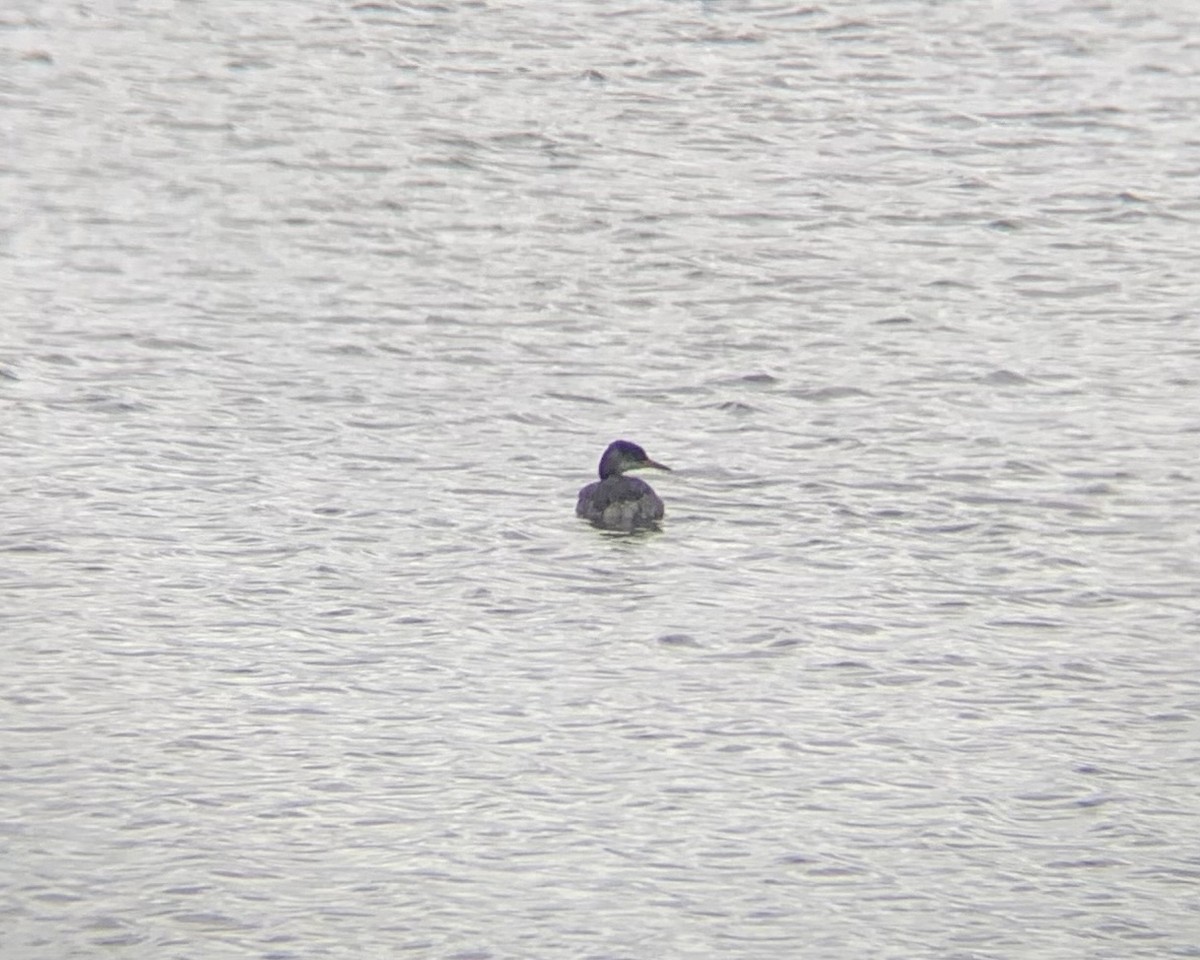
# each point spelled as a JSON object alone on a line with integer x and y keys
{"x": 318, "y": 316}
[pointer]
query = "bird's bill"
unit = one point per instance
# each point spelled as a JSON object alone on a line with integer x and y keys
{"x": 655, "y": 464}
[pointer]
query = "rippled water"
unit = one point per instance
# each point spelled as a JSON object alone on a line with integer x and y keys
{"x": 318, "y": 315}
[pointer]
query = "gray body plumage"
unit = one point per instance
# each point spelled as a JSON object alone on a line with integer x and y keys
{"x": 619, "y": 503}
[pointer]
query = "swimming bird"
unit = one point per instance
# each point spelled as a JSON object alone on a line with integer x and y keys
{"x": 619, "y": 502}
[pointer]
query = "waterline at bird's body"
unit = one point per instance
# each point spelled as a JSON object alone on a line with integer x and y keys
{"x": 618, "y": 502}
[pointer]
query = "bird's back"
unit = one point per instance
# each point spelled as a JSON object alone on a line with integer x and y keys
{"x": 619, "y": 503}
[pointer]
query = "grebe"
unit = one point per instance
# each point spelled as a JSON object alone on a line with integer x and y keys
{"x": 619, "y": 502}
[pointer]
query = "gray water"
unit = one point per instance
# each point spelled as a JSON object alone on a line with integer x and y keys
{"x": 317, "y": 315}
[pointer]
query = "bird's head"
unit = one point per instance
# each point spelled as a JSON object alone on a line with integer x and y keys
{"x": 623, "y": 456}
